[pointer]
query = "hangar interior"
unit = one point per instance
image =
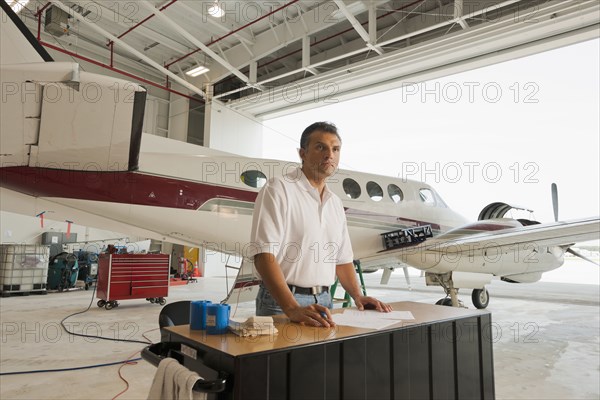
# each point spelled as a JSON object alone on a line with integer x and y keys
{"x": 215, "y": 70}
{"x": 269, "y": 59}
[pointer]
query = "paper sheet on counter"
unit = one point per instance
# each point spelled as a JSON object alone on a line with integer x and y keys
{"x": 371, "y": 319}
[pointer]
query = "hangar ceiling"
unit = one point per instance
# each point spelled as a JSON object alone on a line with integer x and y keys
{"x": 271, "y": 58}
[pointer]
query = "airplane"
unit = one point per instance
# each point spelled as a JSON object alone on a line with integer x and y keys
{"x": 72, "y": 146}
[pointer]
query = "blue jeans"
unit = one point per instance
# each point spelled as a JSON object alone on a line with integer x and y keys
{"x": 266, "y": 304}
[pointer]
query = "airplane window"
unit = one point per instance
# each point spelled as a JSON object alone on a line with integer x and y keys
{"x": 395, "y": 193}
{"x": 253, "y": 178}
{"x": 352, "y": 188}
{"x": 427, "y": 196}
{"x": 375, "y": 191}
{"x": 439, "y": 201}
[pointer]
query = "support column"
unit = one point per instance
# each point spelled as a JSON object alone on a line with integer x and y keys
{"x": 179, "y": 112}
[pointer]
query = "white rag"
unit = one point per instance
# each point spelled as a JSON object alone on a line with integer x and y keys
{"x": 173, "y": 381}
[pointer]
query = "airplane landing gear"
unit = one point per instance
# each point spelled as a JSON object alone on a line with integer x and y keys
{"x": 445, "y": 281}
{"x": 481, "y": 298}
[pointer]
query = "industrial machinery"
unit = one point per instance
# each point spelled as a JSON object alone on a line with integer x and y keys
{"x": 88, "y": 267}
{"x": 62, "y": 271}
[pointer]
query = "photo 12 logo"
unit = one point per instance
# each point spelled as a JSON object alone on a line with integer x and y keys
{"x": 53, "y": 332}
{"x": 58, "y": 92}
{"x": 469, "y": 171}
{"x": 470, "y": 92}
{"x": 294, "y": 93}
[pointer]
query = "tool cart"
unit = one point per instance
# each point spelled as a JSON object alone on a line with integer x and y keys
{"x": 132, "y": 276}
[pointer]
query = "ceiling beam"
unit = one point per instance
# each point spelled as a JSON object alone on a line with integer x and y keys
{"x": 194, "y": 40}
{"x": 556, "y": 24}
{"x": 459, "y": 12}
{"x": 358, "y": 27}
{"x": 109, "y": 15}
{"x": 372, "y": 23}
{"x": 245, "y": 39}
{"x": 431, "y": 24}
{"x": 308, "y": 23}
{"x": 306, "y": 56}
{"x": 414, "y": 26}
{"x": 92, "y": 50}
{"x": 127, "y": 47}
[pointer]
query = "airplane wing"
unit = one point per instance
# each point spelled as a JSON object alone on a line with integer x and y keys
{"x": 560, "y": 234}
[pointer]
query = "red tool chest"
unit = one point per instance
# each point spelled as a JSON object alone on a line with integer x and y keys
{"x": 132, "y": 276}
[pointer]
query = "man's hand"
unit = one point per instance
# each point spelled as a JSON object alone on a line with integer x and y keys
{"x": 313, "y": 315}
{"x": 371, "y": 303}
{"x": 347, "y": 276}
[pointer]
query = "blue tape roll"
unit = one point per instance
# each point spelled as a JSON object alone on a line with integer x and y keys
{"x": 217, "y": 318}
{"x": 198, "y": 314}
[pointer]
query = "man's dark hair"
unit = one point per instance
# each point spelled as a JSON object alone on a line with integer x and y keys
{"x": 318, "y": 127}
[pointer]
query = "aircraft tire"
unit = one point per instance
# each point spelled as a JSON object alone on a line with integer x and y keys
{"x": 480, "y": 298}
{"x": 446, "y": 301}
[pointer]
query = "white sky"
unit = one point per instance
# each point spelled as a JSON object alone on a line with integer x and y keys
{"x": 546, "y": 131}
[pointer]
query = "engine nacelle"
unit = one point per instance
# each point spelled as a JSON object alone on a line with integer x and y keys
{"x": 523, "y": 278}
{"x": 498, "y": 209}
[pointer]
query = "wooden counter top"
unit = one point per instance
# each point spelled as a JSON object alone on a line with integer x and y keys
{"x": 292, "y": 334}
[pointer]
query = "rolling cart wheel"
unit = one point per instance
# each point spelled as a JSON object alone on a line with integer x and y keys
{"x": 101, "y": 303}
{"x": 162, "y": 301}
{"x": 152, "y": 300}
{"x": 109, "y": 305}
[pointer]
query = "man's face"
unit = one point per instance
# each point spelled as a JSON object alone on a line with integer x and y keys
{"x": 321, "y": 156}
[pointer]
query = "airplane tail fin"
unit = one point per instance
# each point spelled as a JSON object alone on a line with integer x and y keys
{"x": 17, "y": 43}
{"x": 54, "y": 115}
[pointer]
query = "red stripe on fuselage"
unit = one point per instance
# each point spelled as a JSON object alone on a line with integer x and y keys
{"x": 117, "y": 187}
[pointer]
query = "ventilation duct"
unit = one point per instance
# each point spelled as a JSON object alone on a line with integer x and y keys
{"x": 57, "y": 21}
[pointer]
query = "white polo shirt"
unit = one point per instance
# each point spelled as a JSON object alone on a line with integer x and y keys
{"x": 308, "y": 237}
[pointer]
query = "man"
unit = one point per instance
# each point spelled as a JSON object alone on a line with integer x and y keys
{"x": 301, "y": 238}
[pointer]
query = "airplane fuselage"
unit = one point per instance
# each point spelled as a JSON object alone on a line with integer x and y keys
{"x": 208, "y": 200}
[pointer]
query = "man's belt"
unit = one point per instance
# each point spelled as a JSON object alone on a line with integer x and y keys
{"x": 309, "y": 290}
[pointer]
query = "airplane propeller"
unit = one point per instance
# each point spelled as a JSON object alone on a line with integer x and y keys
{"x": 570, "y": 250}
{"x": 554, "y": 190}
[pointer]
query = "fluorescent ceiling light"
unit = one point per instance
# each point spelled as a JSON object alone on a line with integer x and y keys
{"x": 215, "y": 10}
{"x": 199, "y": 70}
{"x": 17, "y": 5}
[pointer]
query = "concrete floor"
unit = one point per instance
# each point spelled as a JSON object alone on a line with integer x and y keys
{"x": 546, "y": 341}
